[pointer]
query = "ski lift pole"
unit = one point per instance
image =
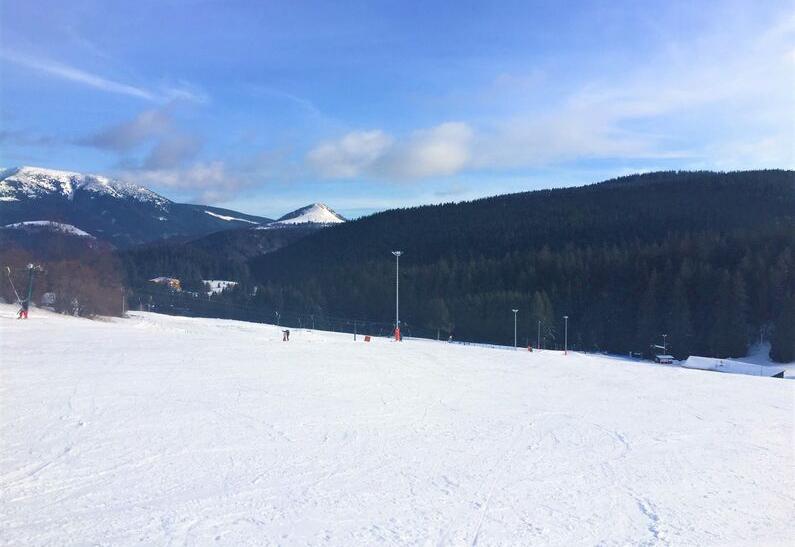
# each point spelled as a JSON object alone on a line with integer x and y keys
{"x": 31, "y": 269}
{"x": 11, "y": 281}
{"x": 25, "y": 304}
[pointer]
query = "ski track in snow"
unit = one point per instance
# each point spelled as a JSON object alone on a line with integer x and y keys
{"x": 162, "y": 430}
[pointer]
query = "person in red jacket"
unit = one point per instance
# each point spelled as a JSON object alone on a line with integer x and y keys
{"x": 23, "y": 309}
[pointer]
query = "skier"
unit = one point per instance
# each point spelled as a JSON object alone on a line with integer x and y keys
{"x": 23, "y": 309}
{"x": 285, "y": 336}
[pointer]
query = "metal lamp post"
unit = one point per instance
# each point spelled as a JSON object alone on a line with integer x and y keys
{"x": 397, "y": 292}
{"x": 538, "y": 336}
{"x": 566, "y": 336}
{"x": 514, "y": 327}
{"x": 665, "y": 346}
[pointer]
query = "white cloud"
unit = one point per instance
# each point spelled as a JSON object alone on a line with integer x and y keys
{"x": 722, "y": 98}
{"x": 719, "y": 99}
{"x": 438, "y": 151}
{"x": 350, "y": 156}
{"x": 204, "y": 182}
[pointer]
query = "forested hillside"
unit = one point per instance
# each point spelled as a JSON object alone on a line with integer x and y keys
{"x": 81, "y": 274}
{"x": 220, "y": 255}
{"x": 706, "y": 258}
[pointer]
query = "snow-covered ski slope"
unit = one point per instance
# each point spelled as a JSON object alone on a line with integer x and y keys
{"x": 160, "y": 430}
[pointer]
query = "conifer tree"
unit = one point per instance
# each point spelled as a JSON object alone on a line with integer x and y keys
{"x": 782, "y": 344}
{"x": 647, "y": 316}
{"x": 730, "y": 332}
{"x": 680, "y": 327}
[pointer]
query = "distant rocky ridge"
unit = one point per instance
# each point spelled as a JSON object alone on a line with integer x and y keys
{"x": 125, "y": 214}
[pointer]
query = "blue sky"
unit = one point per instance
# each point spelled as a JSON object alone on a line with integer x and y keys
{"x": 266, "y": 106}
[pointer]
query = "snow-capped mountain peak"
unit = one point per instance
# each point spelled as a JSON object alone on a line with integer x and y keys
{"x": 27, "y": 182}
{"x": 316, "y": 213}
{"x": 125, "y": 214}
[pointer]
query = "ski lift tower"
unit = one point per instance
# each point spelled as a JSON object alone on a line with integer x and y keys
{"x": 397, "y": 294}
{"x": 514, "y": 310}
{"x": 24, "y": 304}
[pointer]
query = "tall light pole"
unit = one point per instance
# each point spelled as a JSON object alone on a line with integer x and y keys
{"x": 665, "y": 347}
{"x": 566, "y": 336}
{"x": 514, "y": 327}
{"x": 397, "y": 293}
{"x": 538, "y": 336}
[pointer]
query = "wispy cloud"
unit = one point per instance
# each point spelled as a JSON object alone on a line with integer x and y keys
{"x": 101, "y": 83}
{"x": 26, "y": 138}
{"x": 350, "y": 156}
{"x": 125, "y": 136}
{"x": 201, "y": 182}
{"x": 722, "y": 99}
{"x": 73, "y": 74}
{"x": 436, "y": 151}
{"x": 172, "y": 151}
{"x": 155, "y": 132}
{"x": 304, "y": 104}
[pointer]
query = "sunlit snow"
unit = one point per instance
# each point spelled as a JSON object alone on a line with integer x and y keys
{"x": 36, "y": 182}
{"x": 229, "y": 218}
{"x": 50, "y": 225}
{"x": 161, "y": 430}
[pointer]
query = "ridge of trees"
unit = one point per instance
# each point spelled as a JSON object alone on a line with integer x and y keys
{"x": 704, "y": 257}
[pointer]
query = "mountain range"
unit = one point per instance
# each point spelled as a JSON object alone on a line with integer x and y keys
{"x": 125, "y": 214}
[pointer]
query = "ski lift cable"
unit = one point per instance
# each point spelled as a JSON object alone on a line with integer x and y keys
{"x": 8, "y": 272}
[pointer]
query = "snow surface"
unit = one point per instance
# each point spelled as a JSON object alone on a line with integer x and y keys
{"x": 317, "y": 213}
{"x": 228, "y": 218}
{"x": 50, "y": 225}
{"x": 35, "y": 182}
{"x": 162, "y": 430}
{"x": 219, "y": 285}
{"x": 732, "y": 366}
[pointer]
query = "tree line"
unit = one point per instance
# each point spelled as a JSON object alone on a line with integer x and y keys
{"x": 81, "y": 277}
{"x": 704, "y": 258}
